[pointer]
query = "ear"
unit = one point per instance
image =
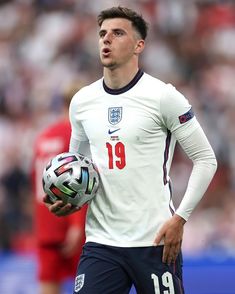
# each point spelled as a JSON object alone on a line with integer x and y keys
{"x": 139, "y": 46}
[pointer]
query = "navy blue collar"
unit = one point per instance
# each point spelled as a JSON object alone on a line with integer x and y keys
{"x": 132, "y": 83}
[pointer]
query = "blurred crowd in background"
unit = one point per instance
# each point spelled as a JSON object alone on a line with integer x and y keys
{"x": 48, "y": 45}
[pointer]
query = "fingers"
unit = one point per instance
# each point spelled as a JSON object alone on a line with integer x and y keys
{"x": 170, "y": 253}
{"x": 172, "y": 234}
{"x": 59, "y": 208}
{"x": 65, "y": 209}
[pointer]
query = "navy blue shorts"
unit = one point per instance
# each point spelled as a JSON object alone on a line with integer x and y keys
{"x": 112, "y": 270}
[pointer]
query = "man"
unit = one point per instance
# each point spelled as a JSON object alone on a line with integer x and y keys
{"x": 59, "y": 240}
{"x": 131, "y": 121}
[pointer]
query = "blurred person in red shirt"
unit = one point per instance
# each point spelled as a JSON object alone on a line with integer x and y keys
{"x": 59, "y": 240}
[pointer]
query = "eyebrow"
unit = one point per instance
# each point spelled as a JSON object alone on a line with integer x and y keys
{"x": 113, "y": 30}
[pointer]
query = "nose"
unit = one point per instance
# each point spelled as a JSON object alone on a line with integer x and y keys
{"x": 108, "y": 38}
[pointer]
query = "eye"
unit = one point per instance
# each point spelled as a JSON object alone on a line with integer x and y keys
{"x": 101, "y": 34}
{"x": 118, "y": 33}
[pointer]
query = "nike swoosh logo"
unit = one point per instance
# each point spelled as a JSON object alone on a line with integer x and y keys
{"x": 113, "y": 131}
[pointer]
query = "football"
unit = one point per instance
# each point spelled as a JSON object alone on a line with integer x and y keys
{"x": 70, "y": 177}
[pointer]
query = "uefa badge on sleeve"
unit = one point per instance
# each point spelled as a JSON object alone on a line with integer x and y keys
{"x": 186, "y": 116}
{"x": 79, "y": 282}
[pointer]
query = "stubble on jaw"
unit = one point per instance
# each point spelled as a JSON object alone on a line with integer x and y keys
{"x": 111, "y": 65}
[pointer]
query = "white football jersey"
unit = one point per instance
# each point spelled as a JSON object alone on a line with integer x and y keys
{"x": 132, "y": 133}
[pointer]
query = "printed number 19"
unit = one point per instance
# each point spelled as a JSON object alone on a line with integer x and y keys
{"x": 167, "y": 282}
{"x": 119, "y": 153}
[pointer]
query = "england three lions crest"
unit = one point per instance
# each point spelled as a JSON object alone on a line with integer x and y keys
{"x": 79, "y": 282}
{"x": 115, "y": 115}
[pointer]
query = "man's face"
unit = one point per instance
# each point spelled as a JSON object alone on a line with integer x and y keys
{"x": 117, "y": 42}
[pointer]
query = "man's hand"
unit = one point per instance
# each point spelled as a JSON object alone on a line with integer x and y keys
{"x": 59, "y": 208}
{"x": 172, "y": 234}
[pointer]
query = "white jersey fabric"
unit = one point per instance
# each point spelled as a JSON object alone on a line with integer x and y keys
{"x": 132, "y": 133}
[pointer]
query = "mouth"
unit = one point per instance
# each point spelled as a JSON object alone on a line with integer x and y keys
{"x": 106, "y": 52}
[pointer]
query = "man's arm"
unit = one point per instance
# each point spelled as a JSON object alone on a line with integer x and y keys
{"x": 200, "y": 152}
{"x": 78, "y": 143}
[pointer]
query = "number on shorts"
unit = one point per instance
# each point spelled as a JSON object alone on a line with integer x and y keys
{"x": 167, "y": 282}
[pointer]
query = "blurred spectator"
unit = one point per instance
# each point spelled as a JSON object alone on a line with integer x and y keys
{"x": 59, "y": 241}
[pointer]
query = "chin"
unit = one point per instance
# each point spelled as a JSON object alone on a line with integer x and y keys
{"x": 107, "y": 64}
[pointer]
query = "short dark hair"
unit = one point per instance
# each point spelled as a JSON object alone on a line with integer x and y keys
{"x": 136, "y": 19}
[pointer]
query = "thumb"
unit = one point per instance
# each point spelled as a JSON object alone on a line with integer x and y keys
{"x": 46, "y": 199}
{"x": 159, "y": 237}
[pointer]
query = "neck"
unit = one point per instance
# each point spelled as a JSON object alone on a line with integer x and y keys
{"x": 118, "y": 78}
